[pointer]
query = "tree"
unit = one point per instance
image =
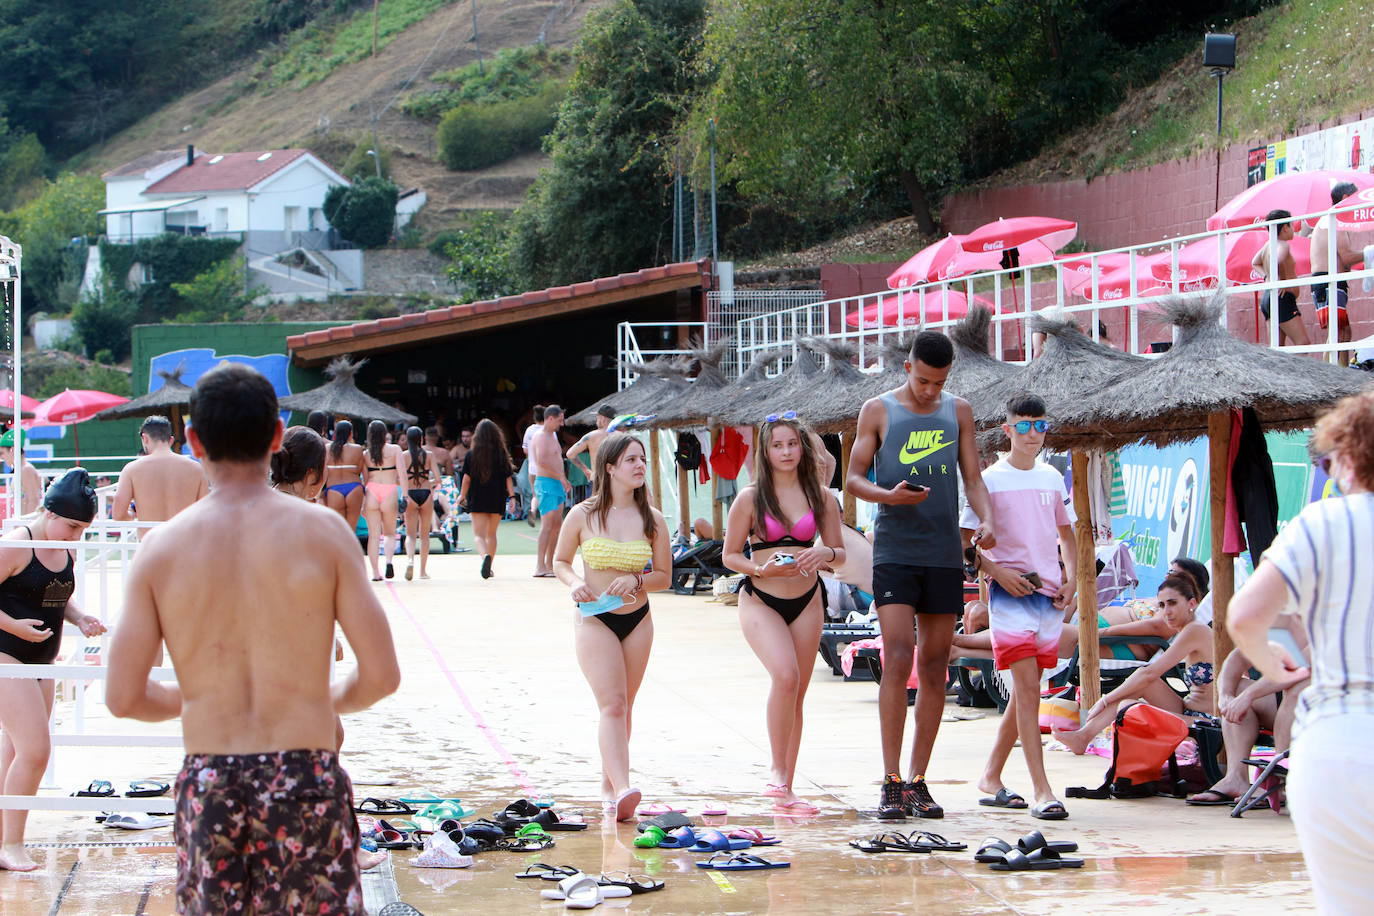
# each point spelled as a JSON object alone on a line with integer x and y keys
{"x": 478, "y": 268}
{"x": 65, "y": 209}
{"x": 218, "y": 294}
{"x": 802, "y": 119}
{"x": 603, "y": 207}
{"x": 364, "y": 212}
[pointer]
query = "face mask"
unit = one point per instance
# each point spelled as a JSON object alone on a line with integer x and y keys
{"x": 607, "y": 602}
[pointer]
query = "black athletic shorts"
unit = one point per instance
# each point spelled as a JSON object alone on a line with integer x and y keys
{"x": 1288, "y": 307}
{"x": 929, "y": 589}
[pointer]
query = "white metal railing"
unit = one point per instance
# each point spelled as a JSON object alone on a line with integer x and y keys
{"x": 1015, "y": 293}
{"x": 659, "y": 339}
{"x": 725, "y": 311}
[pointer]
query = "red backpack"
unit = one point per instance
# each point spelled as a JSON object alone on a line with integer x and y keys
{"x": 1145, "y": 739}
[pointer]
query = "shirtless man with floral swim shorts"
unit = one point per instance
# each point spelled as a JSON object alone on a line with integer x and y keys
{"x": 263, "y": 819}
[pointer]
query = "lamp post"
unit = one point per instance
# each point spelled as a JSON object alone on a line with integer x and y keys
{"x": 1219, "y": 56}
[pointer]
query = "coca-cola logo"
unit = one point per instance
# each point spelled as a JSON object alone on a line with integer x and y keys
{"x": 994, "y": 246}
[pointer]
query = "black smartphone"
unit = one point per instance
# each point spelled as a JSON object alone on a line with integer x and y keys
{"x": 1033, "y": 578}
{"x": 914, "y": 486}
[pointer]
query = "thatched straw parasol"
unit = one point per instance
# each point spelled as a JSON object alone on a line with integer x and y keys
{"x": 1189, "y": 392}
{"x": 340, "y": 397}
{"x": 749, "y": 407}
{"x": 684, "y": 409}
{"x": 752, "y": 383}
{"x": 829, "y": 403}
{"x": 659, "y": 381}
{"x": 171, "y": 400}
{"x": 1071, "y": 364}
{"x": 1169, "y": 399}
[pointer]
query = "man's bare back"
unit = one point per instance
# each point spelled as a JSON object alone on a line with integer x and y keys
{"x": 249, "y": 621}
{"x": 159, "y": 485}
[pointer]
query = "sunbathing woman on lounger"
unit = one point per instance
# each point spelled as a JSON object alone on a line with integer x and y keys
{"x": 782, "y": 619}
{"x": 625, "y": 555}
{"x": 1191, "y": 643}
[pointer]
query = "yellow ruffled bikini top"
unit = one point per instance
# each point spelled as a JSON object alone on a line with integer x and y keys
{"x": 621, "y": 556}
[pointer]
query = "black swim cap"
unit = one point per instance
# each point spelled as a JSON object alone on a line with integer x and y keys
{"x": 72, "y": 496}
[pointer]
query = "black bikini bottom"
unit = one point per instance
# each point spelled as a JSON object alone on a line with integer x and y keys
{"x": 418, "y": 497}
{"x": 622, "y": 625}
{"x": 789, "y": 609}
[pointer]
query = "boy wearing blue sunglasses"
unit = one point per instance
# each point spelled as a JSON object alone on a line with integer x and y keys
{"x": 1027, "y": 593}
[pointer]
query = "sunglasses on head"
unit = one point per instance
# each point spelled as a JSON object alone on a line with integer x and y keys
{"x": 775, "y": 417}
{"x": 1025, "y": 426}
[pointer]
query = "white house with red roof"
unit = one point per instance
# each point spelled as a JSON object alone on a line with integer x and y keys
{"x": 266, "y": 193}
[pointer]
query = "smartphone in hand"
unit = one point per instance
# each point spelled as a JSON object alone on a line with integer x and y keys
{"x": 1034, "y": 579}
{"x": 914, "y": 486}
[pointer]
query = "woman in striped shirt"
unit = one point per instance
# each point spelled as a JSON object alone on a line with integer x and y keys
{"x": 1319, "y": 569}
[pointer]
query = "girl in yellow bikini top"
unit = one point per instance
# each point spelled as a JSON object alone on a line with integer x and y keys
{"x": 620, "y": 556}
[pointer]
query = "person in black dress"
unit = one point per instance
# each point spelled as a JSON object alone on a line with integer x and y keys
{"x": 488, "y": 485}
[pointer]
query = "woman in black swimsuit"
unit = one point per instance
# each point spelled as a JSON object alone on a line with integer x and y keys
{"x": 35, "y": 601}
{"x": 488, "y": 486}
{"x": 421, "y": 476}
{"x": 787, "y": 513}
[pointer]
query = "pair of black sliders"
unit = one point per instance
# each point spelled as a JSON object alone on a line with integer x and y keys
{"x": 916, "y": 841}
{"x": 1031, "y": 853}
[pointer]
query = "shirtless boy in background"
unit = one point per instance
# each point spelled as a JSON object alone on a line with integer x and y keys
{"x": 249, "y": 621}
{"x": 161, "y": 483}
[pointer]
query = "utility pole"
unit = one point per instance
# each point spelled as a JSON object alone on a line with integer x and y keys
{"x": 375, "y": 3}
{"x": 715, "y": 255}
{"x": 475, "y": 41}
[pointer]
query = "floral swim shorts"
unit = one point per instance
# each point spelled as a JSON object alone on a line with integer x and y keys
{"x": 266, "y": 833}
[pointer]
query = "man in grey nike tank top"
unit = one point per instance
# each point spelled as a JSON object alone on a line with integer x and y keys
{"x": 916, "y": 438}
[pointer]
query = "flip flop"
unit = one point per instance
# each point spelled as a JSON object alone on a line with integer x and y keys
{"x": 99, "y": 788}
{"x": 625, "y": 803}
{"x": 440, "y": 811}
{"x": 521, "y": 807}
{"x": 886, "y": 842}
{"x": 993, "y": 850}
{"x": 666, "y": 822}
{"x": 1036, "y": 840}
{"x": 797, "y": 808}
{"x": 147, "y": 788}
{"x": 550, "y": 820}
{"x": 560, "y": 872}
{"x": 659, "y": 808}
{"x": 636, "y": 884}
{"x": 753, "y": 835}
{"x": 430, "y": 799}
{"x": 540, "y": 870}
{"x": 715, "y": 841}
{"x": 578, "y": 885}
{"x": 1005, "y": 798}
{"x": 137, "y": 821}
{"x": 926, "y": 841}
{"x": 1218, "y": 798}
{"x": 681, "y": 838}
{"x": 383, "y": 806}
{"x": 1052, "y": 810}
{"x": 740, "y": 861}
{"x": 714, "y": 811}
{"x": 525, "y": 843}
{"x": 650, "y": 838}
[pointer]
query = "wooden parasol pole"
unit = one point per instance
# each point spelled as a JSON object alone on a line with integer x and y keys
{"x": 1223, "y": 569}
{"x": 717, "y": 516}
{"x": 684, "y": 511}
{"x": 851, "y": 509}
{"x": 178, "y": 427}
{"x": 1089, "y": 665}
{"x": 655, "y": 480}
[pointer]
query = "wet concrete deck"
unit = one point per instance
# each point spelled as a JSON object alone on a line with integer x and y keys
{"x": 493, "y": 707}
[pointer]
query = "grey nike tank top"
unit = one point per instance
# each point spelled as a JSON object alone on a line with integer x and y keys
{"x": 923, "y": 449}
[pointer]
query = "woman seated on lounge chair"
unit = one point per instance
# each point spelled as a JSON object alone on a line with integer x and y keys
{"x": 1191, "y": 643}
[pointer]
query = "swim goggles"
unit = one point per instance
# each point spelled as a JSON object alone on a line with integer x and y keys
{"x": 775, "y": 417}
{"x": 1025, "y": 426}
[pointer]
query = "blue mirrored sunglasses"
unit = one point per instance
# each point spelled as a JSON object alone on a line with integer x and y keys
{"x": 1025, "y": 426}
{"x": 775, "y": 417}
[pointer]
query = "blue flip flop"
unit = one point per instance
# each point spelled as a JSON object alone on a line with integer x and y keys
{"x": 740, "y": 861}
{"x": 715, "y": 841}
{"x": 681, "y": 838}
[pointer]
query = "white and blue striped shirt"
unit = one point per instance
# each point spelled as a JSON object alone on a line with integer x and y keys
{"x": 1326, "y": 555}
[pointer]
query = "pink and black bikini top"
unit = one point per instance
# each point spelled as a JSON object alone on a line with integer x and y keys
{"x": 801, "y": 534}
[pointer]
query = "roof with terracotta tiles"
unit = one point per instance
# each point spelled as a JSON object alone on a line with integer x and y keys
{"x": 226, "y": 172}
{"x": 314, "y": 346}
